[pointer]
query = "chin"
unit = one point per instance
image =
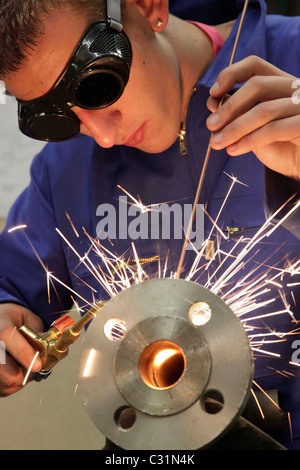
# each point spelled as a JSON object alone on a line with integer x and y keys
{"x": 158, "y": 147}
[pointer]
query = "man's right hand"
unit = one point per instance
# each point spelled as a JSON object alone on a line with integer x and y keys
{"x": 19, "y": 353}
{"x": 262, "y": 116}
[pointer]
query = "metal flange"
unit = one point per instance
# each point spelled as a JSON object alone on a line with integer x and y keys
{"x": 185, "y": 400}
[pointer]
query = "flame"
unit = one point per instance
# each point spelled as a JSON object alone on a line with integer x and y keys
{"x": 162, "y": 356}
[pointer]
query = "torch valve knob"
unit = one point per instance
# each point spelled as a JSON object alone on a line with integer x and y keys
{"x": 62, "y": 323}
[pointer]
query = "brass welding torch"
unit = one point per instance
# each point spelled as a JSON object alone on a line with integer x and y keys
{"x": 53, "y": 345}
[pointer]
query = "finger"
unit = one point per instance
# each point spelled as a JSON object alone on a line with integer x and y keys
{"x": 214, "y": 103}
{"x": 256, "y": 118}
{"x": 241, "y": 72}
{"x": 255, "y": 90}
{"x": 12, "y": 317}
{"x": 276, "y": 144}
{"x": 281, "y": 130}
{"x": 19, "y": 348}
{"x": 11, "y": 376}
{"x": 33, "y": 321}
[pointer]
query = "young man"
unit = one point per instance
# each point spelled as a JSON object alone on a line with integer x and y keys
{"x": 151, "y": 143}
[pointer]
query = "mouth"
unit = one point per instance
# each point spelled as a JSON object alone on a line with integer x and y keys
{"x": 136, "y": 138}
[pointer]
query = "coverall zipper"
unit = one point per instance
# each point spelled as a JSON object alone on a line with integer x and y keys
{"x": 182, "y": 133}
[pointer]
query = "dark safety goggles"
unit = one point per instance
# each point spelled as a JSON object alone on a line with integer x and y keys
{"x": 94, "y": 78}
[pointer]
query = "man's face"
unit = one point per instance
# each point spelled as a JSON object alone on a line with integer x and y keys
{"x": 148, "y": 114}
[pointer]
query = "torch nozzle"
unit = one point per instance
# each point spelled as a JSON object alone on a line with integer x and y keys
{"x": 86, "y": 318}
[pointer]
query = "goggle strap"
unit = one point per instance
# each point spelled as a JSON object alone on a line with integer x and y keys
{"x": 113, "y": 12}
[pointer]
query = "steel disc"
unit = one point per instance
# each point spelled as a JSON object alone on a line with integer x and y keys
{"x": 185, "y": 400}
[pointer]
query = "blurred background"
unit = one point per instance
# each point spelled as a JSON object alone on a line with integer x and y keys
{"x": 50, "y": 415}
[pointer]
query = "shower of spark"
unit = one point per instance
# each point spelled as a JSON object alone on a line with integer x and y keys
{"x": 245, "y": 297}
{"x": 116, "y": 273}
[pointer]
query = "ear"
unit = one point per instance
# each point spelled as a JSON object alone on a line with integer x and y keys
{"x": 155, "y": 11}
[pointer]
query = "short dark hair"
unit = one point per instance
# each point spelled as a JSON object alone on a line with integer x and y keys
{"x": 21, "y": 26}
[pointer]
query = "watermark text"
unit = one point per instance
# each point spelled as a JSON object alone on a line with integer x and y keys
{"x": 296, "y": 94}
{"x": 296, "y": 354}
{"x": 158, "y": 221}
{"x": 2, "y": 353}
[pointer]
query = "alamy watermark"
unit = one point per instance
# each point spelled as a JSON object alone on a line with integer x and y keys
{"x": 2, "y": 92}
{"x": 2, "y": 353}
{"x": 296, "y": 354}
{"x": 296, "y": 94}
{"x": 158, "y": 221}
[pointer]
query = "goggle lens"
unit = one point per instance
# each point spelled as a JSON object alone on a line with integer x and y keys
{"x": 98, "y": 90}
{"x": 53, "y": 127}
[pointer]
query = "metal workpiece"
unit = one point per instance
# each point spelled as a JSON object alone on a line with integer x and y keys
{"x": 165, "y": 365}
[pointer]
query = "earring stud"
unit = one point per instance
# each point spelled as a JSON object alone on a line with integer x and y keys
{"x": 159, "y": 22}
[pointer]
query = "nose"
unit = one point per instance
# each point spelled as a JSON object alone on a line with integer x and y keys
{"x": 101, "y": 124}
